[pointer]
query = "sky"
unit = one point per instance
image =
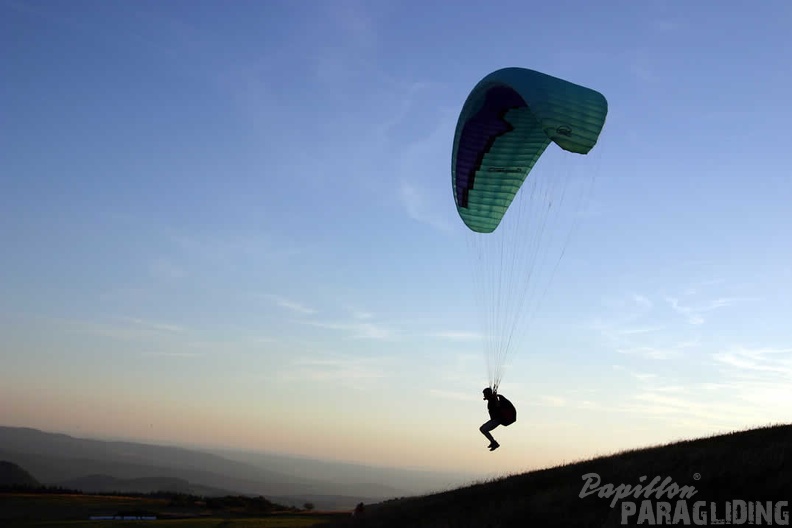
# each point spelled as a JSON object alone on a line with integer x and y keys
{"x": 231, "y": 224}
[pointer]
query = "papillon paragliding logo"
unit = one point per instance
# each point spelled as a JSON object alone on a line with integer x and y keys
{"x": 507, "y": 122}
{"x": 662, "y": 502}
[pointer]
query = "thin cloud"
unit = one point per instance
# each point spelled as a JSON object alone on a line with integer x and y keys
{"x": 344, "y": 370}
{"x": 457, "y": 335}
{"x": 642, "y": 301}
{"x": 649, "y": 352}
{"x": 638, "y": 330}
{"x": 163, "y": 268}
{"x": 419, "y": 207}
{"x": 644, "y": 68}
{"x": 628, "y": 320}
{"x": 453, "y": 395}
{"x": 667, "y": 25}
{"x": 591, "y": 406}
{"x": 553, "y": 401}
{"x": 291, "y": 305}
{"x": 751, "y": 384}
{"x": 226, "y": 345}
{"x": 359, "y": 314}
{"x": 641, "y": 376}
{"x": 758, "y": 377}
{"x": 461, "y": 368}
{"x": 696, "y": 288}
{"x": 121, "y": 328}
{"x": 682, "y": 405}
{"x": 423, "y": 201}
{"x": 184, "y": 355}
{"x": 405, "y": 103}
{"x": 694, "y": 313}
{"x": 357, "y": 330}
{"x": 127, "y": 294}
{"x": 353, "y": 31}
{"x": 749, "y": 362}
{"x": 153, "y": 325}
{"x": 228, "y": 250}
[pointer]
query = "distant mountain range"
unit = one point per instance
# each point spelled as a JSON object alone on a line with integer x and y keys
{"x": 101, "y": 466}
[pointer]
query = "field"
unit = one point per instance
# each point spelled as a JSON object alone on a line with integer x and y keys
{"x": 285, "y": 521}
{"x": 32, "y": 510}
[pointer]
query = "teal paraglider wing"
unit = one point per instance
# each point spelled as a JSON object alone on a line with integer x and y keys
{"x": 507, "y": 122}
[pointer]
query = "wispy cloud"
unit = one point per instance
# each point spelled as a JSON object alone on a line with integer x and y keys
{"x": 357, "y": 330}
{"x": 419, "y": 207}
{"x": 750, "y": 363}
{"x": 225, "y": 345}
{"x": 626, "y": 315}
{"x": 642, "y": 301}
{"x": 231, "y": 249}
{"x": 628, "y": 331}
{"x": 457, "y": 335}
{"x": 461, "y": 370}
{"x": 127, "y": 294}
{"x": 653, "y": 401}
{"x": 290, "y": 304}
{"x": 177, "y": 354}
{"x": 404, "y": 101}
{"x": 454, "y": 395}
{"x": 121, "y": 328}
{"x": 757, "y": 377}
{"x": 164, "y": 268}
{"x": 694, "y": 313}
{"x": 644, "y": 68}
{"x": 552, "y": 401}
{"x": 344, "y": 370}
{"x": 419, "y": 194}
{"x": 648, "y": 326}
{"x": 747, "y": 384}
{"x": 667, "y": 25}
{"x": 702, "y": 286}
{"x": 351, "y": 28}
{"x": 675, "y": 350}
{"x": 641, "y": 376}
{"x": 153, "y": 325}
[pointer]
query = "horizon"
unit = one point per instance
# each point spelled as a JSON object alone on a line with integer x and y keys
{"x": 218, "y": 450}
{"x": 463, "y": 476}
{"x": 233, "y": 224}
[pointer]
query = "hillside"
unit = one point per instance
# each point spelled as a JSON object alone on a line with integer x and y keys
{"x": 109, "y": 484}
{"x": 750, "y": 466}
{"x": 13, "y": 475}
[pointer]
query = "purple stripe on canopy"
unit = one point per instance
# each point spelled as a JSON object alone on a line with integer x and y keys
{"x": 478, "y": 135}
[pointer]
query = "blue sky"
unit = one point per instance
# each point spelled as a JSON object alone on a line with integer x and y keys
{"x": 232, "y": 224}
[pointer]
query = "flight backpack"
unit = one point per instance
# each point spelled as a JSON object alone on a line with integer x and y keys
{"x": 507, "y": 414}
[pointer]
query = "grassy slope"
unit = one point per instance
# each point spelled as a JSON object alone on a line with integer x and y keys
{"x": 749, "y": 465}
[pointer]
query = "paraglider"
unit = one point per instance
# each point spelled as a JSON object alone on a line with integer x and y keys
{"x": 507, "y": 122}
{"x": 501, "y": 412}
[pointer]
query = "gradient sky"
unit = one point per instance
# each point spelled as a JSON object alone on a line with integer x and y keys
{"x": 231, "y": 224}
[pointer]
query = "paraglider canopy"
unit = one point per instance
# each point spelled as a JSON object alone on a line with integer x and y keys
{"x": 508, "y": 120}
